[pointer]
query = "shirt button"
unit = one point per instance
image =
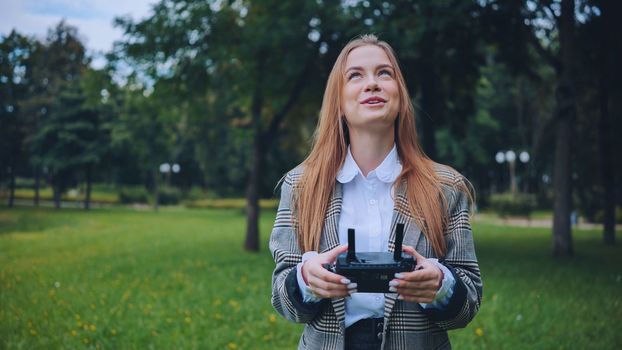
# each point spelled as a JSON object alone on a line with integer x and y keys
{"x": 372, "y": 201}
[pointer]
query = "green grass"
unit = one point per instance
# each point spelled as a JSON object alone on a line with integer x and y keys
{"x": 118, "y": 279}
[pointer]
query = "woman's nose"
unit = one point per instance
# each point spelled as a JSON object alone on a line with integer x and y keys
{"x": 372, "y": 84}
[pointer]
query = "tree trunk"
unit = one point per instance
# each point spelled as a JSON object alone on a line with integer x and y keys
{"x": 57, "y": 191}
{"x": 12, "y": 187}
{"x": 565, "y": 114}
{"x": 429, "y": 101}
{"x": 37, "y": 186}
{"x": 156, "y": 189}
{"x": 87, "y": 199}
{"x": 562, "y": 239}
{"x": 604, "y": 126}
{"x": 256, "y": 157}
{"x": 607, "y": 170}
{"x": 252, "y": 197}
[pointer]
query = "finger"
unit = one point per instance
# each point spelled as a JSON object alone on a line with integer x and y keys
{"x": 333, "y": 253}
{"x": 327, "y": 285}
{"x": 416, "y": 298}
{"x": 410, "y": 250}
{"x": 328, "y": 290}
{"x": 397, "y": 285}
{"x": 416, "y": 276}
{"x": 328, "y": 276}
{"x": 430, "y": 286}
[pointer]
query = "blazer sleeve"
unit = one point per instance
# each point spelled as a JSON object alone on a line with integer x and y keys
{"x": 286, "y": 295}
{"x": 462, "y": 262}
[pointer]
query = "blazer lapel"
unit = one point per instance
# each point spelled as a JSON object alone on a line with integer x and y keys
{"x": 330, "y": 240}
{"x": 412, "y": 232}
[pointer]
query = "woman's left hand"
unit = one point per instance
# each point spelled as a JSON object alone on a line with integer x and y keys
{"x": 420, "y": 285}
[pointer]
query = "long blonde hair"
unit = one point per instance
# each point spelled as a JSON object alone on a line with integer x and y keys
{"x": 313, "y": 190}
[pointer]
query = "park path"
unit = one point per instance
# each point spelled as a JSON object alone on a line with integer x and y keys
{"x": 540, "y": 222}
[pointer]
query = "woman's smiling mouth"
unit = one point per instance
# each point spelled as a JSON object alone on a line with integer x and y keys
{"x": 374, "y": 101}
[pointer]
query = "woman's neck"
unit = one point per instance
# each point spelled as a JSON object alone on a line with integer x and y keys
{"x": 369, "y": 149}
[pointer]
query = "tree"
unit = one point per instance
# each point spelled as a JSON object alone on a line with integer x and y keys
{"x": 259, "y": 57}
{"x": 15, "y": 52}
{"x": 56, "y": 67}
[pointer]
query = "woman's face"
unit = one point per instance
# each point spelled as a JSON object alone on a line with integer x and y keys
{"x": 370, "y": 95}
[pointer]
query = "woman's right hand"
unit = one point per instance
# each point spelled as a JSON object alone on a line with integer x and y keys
{"x": 324, "y": 283}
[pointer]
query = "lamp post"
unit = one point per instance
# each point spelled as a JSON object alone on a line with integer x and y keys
{"x": 510, "y": 158}
{"x": 166, "y": 169}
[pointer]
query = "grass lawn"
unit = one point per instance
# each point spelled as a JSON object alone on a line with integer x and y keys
{"x": 122, "y": 279}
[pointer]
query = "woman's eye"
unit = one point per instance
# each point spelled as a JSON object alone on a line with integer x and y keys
{"x": 385, "y": 72}
{"x": 354, "y": 75}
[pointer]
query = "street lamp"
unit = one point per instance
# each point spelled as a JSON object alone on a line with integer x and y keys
{"x": 166, "y": 168}
{"x": 510, "y": 158}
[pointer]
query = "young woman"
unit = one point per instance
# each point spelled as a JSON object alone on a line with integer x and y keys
{"x": 367, "y": 171}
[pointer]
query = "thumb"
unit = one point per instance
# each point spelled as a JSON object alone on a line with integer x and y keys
{"x": 410, "y": 250}
{"x": 333, "y": 253}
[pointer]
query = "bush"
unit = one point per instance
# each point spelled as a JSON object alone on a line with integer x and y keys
{"x": 508, "y": 204}
{"x": 600, "y": 216}
{"x": 231, "y": 203}
{"x": 169, "y": 195}
{"x": 136, "y": 194}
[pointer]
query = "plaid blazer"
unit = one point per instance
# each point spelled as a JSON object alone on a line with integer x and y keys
{"x": 407, "y": 325}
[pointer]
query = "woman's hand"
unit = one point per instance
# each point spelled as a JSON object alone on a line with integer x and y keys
{"x": 322, "y": 282}
{"x": 420, "y": 285}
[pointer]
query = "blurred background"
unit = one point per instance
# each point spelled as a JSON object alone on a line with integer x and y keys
{"x": 176, "y": 119}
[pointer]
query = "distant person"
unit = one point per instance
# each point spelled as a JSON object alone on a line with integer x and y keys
{"x": 367, "y": 171}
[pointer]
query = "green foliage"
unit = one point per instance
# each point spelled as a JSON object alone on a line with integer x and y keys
{"x": 169, "y": 195}
{"x": 599, "y": 216}
{"x": 178, "y": 279}
{"x": 133, "y": 194}
{"x": 508, "y": 204}
{"x": 231, "y": 203}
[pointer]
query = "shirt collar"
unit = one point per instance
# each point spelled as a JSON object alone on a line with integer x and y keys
{"x": 387, "y": 171}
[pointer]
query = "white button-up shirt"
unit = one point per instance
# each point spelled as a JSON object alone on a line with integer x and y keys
{"x": 367, "y": 207}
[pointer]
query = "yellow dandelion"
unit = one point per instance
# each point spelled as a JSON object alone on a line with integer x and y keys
{"x": 479, "y": 332}
{"x": 77, "y": 317}
{"x": 85, "y": 327}
{"x": 33, "y": 332}
{"x": 74, "y": 333}
{"x": 113, "y": 332}
{"x": 272, "y": 318}
{"x": 92, "y": 328}
{"x": 232, "y": 346}
{"x": 187, "y": 319}
{"x": 243, "y": 279}
{"x": 85, "y": 340}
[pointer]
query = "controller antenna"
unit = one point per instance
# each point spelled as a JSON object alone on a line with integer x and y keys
{"x": 399, "y": 237}
{"x": 351, "y": 246}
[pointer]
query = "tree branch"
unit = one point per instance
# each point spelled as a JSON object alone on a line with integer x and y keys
{"x": 296, "y": 90}
{"x": 542, "y": 51}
